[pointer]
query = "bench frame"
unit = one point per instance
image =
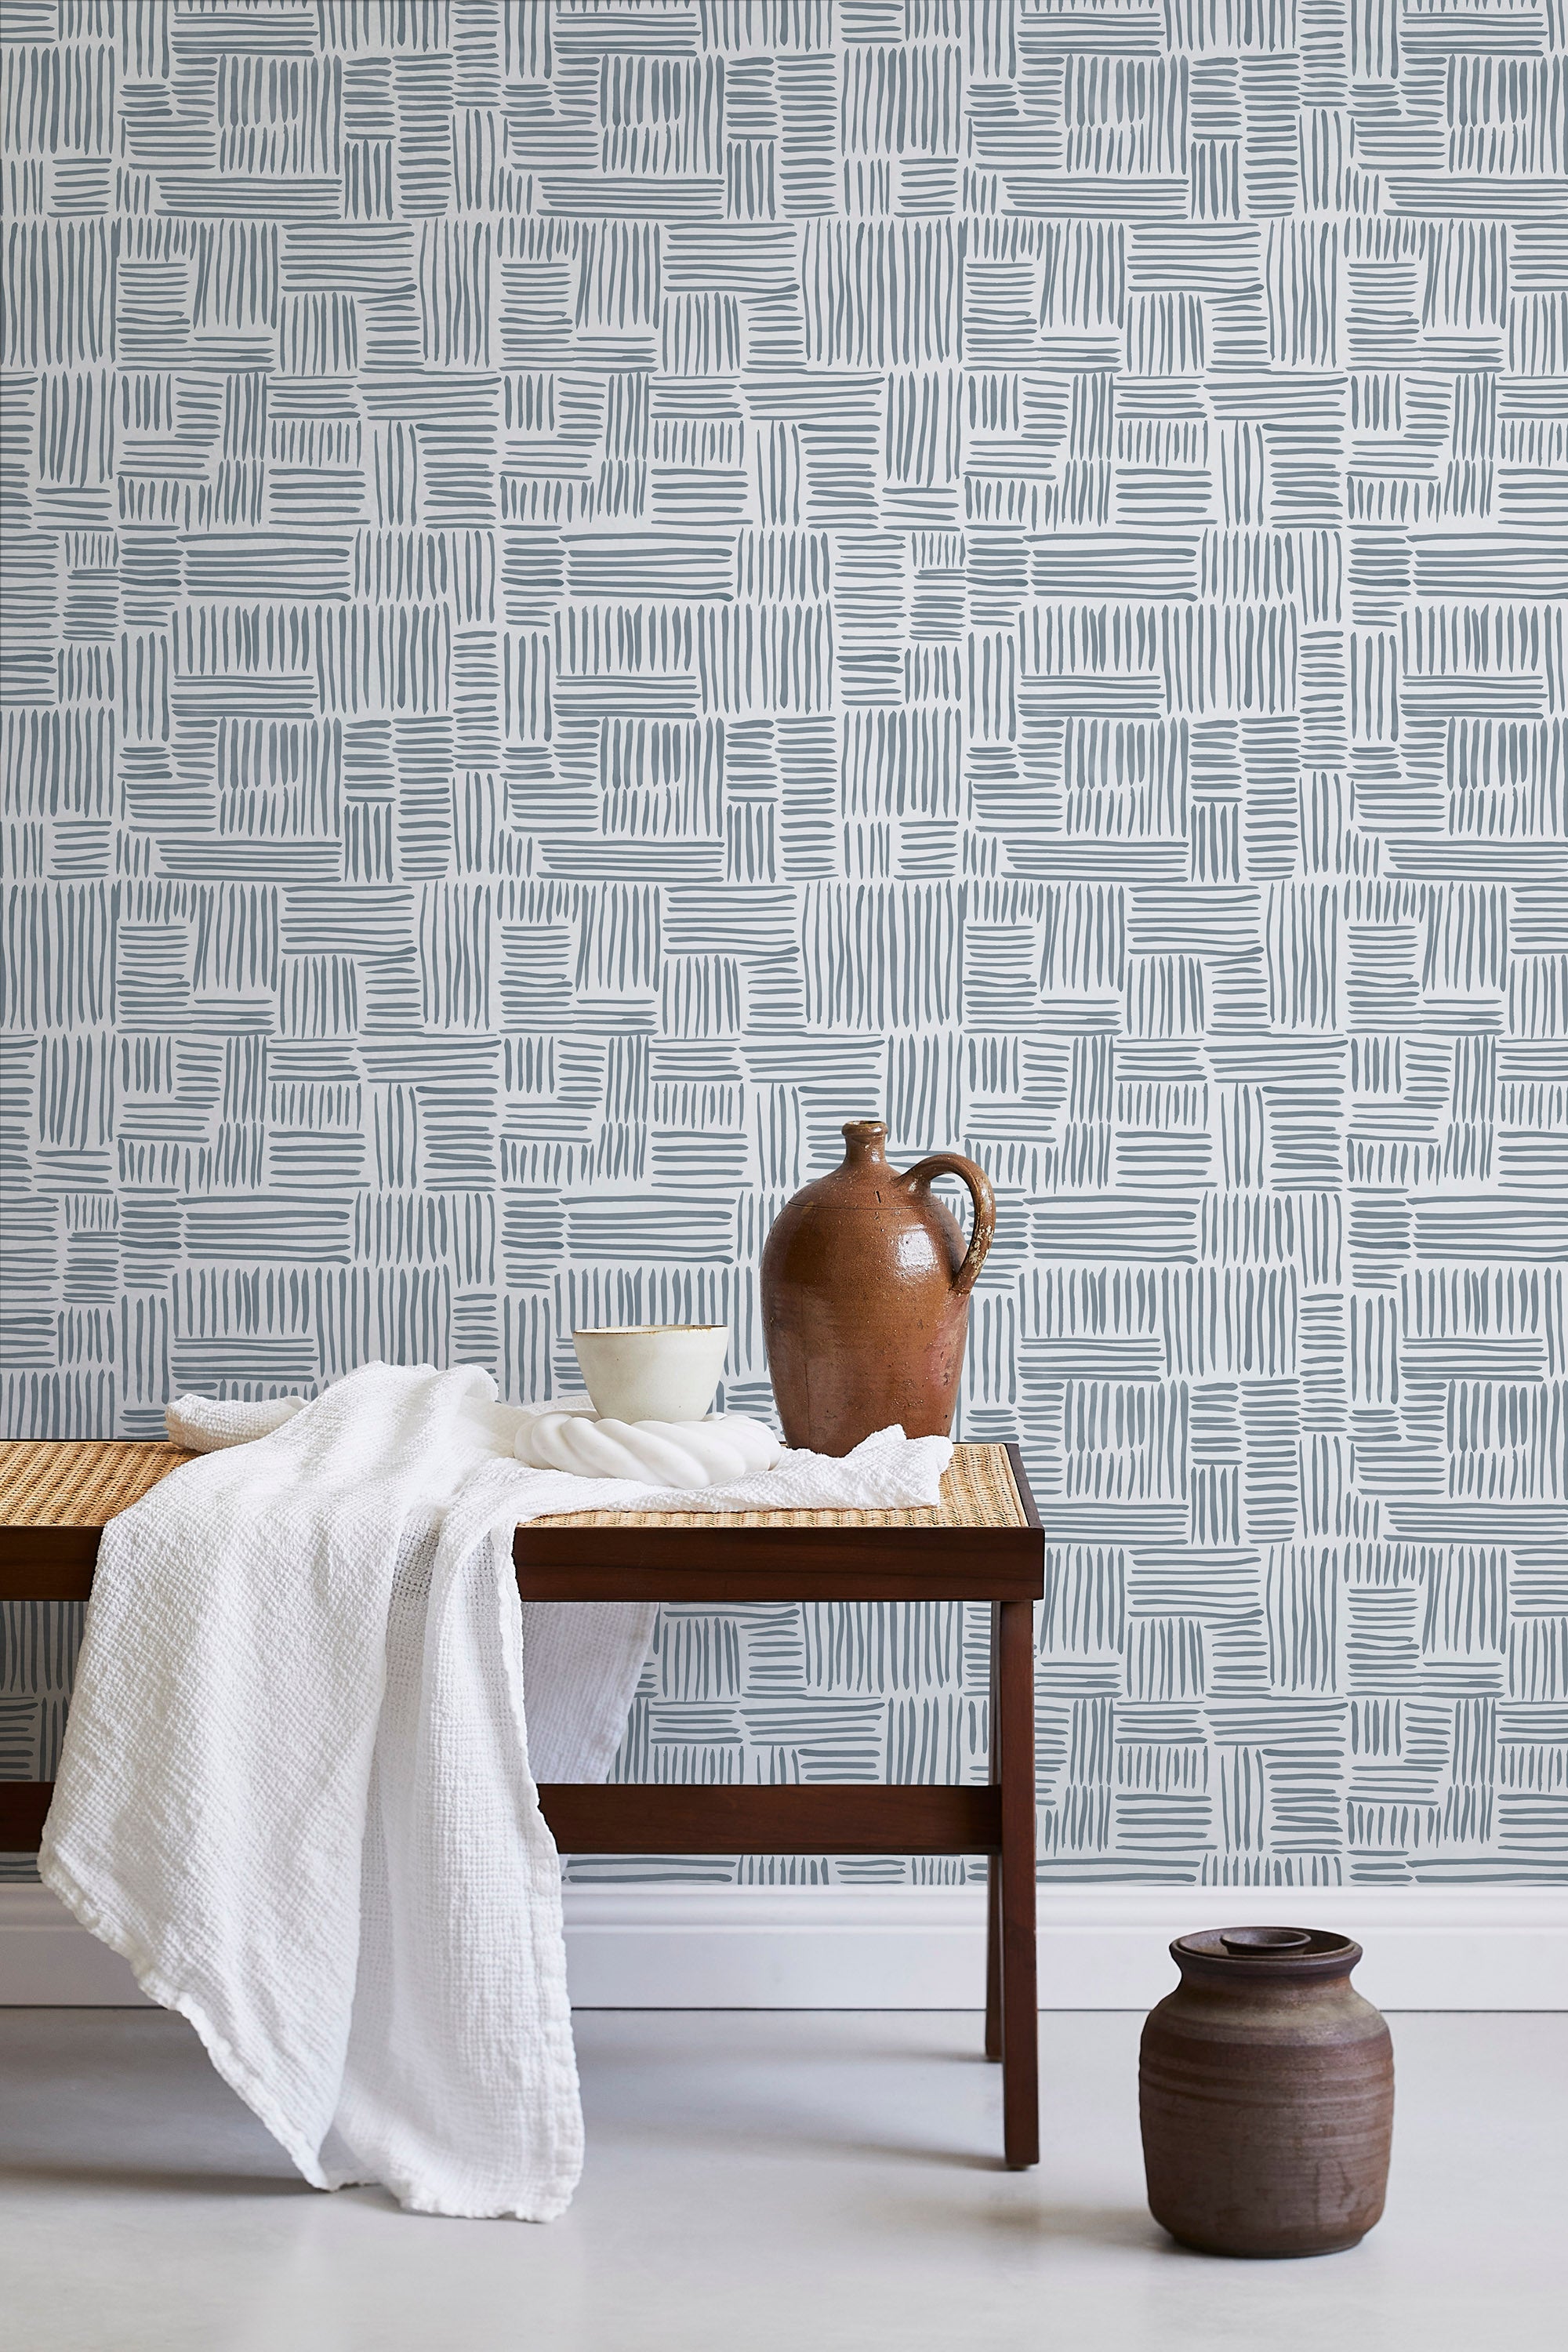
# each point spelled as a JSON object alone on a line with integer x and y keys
{"x": 643, "y": 1560}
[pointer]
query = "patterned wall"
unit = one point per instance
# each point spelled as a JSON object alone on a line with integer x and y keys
{"x": 598, "y": 588}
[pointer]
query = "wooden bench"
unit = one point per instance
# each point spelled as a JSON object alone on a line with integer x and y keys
{"x": 983, "y": 1543}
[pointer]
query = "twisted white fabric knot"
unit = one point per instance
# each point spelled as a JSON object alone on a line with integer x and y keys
{"x": 681, "y": 1453}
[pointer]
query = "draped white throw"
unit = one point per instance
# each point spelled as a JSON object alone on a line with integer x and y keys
{"x": 298, "y": 1792}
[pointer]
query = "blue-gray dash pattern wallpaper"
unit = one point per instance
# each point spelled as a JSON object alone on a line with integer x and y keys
{"x": 595, "y": 586}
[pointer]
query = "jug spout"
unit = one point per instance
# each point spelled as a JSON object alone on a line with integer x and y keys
{"x": 865, "y": 1140}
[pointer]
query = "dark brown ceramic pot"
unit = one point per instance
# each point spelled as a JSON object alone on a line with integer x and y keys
{"x": 866, "y": 1283}
{"x": 1266, "y": 2090}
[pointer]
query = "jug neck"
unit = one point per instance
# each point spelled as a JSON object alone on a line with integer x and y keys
{"x": 864, "y": 1142}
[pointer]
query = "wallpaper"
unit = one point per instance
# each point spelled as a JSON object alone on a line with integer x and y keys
{"x": 597, "y": 589}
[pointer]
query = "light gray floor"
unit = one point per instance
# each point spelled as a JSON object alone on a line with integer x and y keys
{"x": 763, "y": 2183}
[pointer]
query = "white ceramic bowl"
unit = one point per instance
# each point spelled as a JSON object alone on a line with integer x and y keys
{"x": 654, "y": 1372}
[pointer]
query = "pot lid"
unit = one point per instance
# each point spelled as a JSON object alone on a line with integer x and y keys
{"x": 1274, "y": 1951}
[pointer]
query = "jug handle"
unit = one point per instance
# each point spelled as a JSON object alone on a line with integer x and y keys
{"x": 954, "y": 1163}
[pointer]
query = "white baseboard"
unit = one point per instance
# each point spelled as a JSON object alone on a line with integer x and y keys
{"x": 47, "y": 1961}
{"x": 923, "y": 1948}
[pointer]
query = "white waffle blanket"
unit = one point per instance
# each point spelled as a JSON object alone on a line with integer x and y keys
{"x": 296, "y": 1790}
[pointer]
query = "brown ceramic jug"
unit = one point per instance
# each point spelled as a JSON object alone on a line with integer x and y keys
{"x": 866, "y": 1283}
{"x": 1265, "y": 2093}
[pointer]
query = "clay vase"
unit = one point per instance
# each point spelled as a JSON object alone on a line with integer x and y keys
{"x": 1265, "y": 2093}
{"x": 866, "y": 1283}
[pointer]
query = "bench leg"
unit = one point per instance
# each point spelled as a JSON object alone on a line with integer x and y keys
{"x": 1013, "y": 1651}
{"x": 994, "y": 1877}
{"x": 993, "y": 1958}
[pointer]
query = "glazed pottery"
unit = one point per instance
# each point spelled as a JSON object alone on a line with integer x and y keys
{"x": 1265, "y": 2093}
{"x": 653, "y": 1372}
{"x": 866, "y": 1283}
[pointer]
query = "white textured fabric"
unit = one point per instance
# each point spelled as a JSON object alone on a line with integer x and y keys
{"x": 206, "y": 1424}
{"x": 886, "y": 1472}
{"x": 708, "y": 1452}
{"x": 296, "y": 1792}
